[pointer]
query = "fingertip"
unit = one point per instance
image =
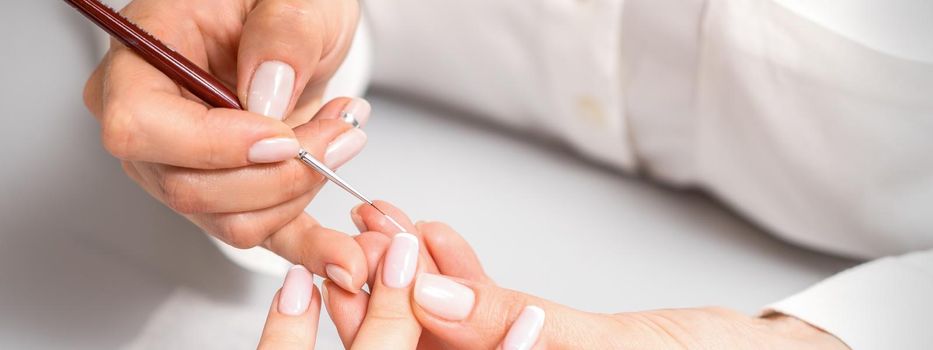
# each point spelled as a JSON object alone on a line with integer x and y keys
{"x": 401, "y": 261}
{"x": 391, "y": 222}
{"x": 443, "y": 297}
{"x": 317, "y": 247}
{"x": 297, "y": 292}
{"x": 357, "y": 112}
{"x": 273, "y": 150}
{"x": 525, "y": 331}
{"x": 260, "y": 140}
{"x": 334, "y": 108}
{"x": 358, "y": 219}
{"x": 343, "y": 278}
{"x": 374, "y": 245}
{"x": 452, "y": 254}
{"x": 324, "y": 293}
{"x": 285, "y": 330}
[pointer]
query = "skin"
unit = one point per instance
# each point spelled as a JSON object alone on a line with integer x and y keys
{"x": 387, "y": 320}
{"x": 168, "y": 143}
{"x": 388, "y": 324}
{"x": 194, "y": 159}
{"x": 565, "y": 328}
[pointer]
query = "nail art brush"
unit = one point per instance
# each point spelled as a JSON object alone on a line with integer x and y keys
{"x": 184, "y": 72}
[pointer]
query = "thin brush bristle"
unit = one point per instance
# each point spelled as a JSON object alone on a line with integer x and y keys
{"x": 387, "y": 216}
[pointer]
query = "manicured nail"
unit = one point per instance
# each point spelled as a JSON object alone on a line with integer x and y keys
{"x": 324, "y": 293}
{"x": 401, "y": 261}
{"x": 357, "y": 112}
{"x": 443, "y": 297}
{"x": 357, "y": 218}
{"x": 296, "y": 291}
{"x": 525, "y": 330}
{"x": 271, "y": 90}
{"x": 274, "y": 150}
{"x": 341, "y": 277}
{"x": 344, "y": 148}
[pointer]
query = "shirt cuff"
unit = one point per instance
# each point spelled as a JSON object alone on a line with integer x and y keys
{"x": 883, "y": 304}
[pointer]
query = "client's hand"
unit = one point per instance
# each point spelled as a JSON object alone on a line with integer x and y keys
{"x": 233, "y": 172}
{"x": 293, "y": 318}
{"x": 461, "y": 308}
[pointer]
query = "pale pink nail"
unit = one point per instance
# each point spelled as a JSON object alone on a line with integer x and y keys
{"x": 525, "y": 330}
{"x": 444, "y": 297}
{"x": 296, "y": 291}
{"x": 401, "y": 261}
{"x": 358, "y": 109}
{"x": 271, "y": 90}
{"x": 358, "y": 219}
{"x": 345, "y": 147}
{"x": 341, "y": 277}
{"x": 324, "y": 294}
{"x": 274, "y": 150}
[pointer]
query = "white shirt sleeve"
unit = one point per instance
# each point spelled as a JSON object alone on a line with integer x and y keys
{"x": 884, "y": 304}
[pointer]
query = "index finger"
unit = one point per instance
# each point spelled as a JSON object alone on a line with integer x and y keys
{"x": 144, "y": 117}
{"x": 293, "y": 318}
{"x": 371, "y": 219}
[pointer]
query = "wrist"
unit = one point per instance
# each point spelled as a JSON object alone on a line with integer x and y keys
{"x": 794, "y": 328}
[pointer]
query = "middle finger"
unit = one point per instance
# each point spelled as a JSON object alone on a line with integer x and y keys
{"x": 192, "y": 191}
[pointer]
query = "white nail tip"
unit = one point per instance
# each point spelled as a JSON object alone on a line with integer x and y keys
{"x": 526, "y": 329}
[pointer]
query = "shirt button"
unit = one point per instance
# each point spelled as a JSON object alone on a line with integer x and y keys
{"x": 591, "y": 111}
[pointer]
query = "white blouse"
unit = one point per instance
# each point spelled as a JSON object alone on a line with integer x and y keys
{"x": 812, "y": 118}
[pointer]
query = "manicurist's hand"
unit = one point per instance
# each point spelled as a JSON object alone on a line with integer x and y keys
{"x": 233, "y": 172}
{"x": 459, "y": 307}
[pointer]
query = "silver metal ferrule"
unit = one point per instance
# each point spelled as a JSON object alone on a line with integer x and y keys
{"x": 306, "y": 158}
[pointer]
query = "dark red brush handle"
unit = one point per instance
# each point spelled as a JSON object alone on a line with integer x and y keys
{"x": 184, "y": 72}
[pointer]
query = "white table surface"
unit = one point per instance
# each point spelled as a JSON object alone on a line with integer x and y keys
{"x": 87, "y": 260}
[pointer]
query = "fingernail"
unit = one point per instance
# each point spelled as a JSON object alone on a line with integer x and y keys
{"x": 296, "y": 291}
{"x": 271, "y": 89}
{"x": 324, "y": 293}
{"x": 357, "y": 218}
{"x": 444, "y": 297}
{"x": 274, "y": 150}
{"x": 341, "y": 277}
{"x": 357, "y": 110}
{"x": 525, "y": 330}
{"x": 401, "y": 261}
{"x": 345, "y": 147}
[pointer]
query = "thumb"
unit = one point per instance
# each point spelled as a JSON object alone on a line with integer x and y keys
{"x": 389, "y": 323}
{"x": 471, "y": 315}
{"x": 288, "y": 45}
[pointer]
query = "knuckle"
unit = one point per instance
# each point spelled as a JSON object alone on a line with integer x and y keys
{"x": 516, "y": 305}
{"x": 390, "y": 314}
{"x": 240, "y": 231}
{"x": 180, "y": 192}
{"x": 293, "y": 179}
{"x": 291, "y": 10}
{"x": 509, "y": 305}
{"x": 118, "y": 130}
